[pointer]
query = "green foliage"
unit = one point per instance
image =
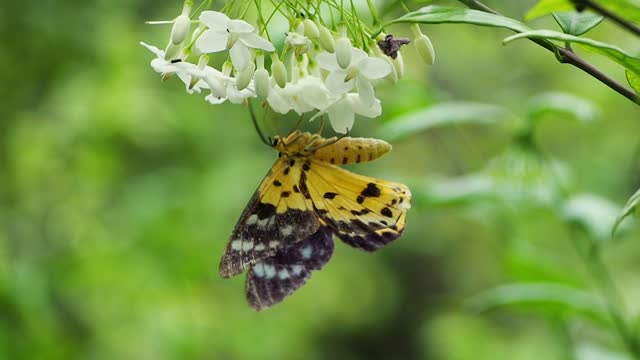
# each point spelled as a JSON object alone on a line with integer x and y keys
{"x": 577, "y": 23}
{"x": 444, "y": 114}
{"x": 612, "y": 52}
{"x": 630, "y": 9}
{"x": 118, "y": 192}
{"x": 634, "y": 80}
{"x": 628, "y": 210}
{"x": 560, "y": 104}
{"x": 434, "y": 14}
{"x": 546, "y": 7}
{"x": 548, "y": 299}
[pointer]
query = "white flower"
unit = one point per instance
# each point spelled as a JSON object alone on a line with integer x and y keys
{"x": 237, "y": 36}
{"x": 342, "y": 111}
{"x": 187, "y": 72}
{"x": 297, "y": 41}
{"x": 305, "y": 95}
{"x": 223, "y": 87}
{"x": 362, "y": 70}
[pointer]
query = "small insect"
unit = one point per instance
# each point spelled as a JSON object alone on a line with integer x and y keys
{"x": 391, "y": 45}
{"x": 286, "y": 230}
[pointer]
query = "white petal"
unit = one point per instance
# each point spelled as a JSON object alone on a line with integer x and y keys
{"x": 159, "y": 53}
{"x": 327, "y": 61}
{"x": 336, "y": 84}
{"x": 233, "y": 95}
{"x": 214, "y": 99}
{"x": 277, "y": 102}
{"x": 163, "y": 66}
{"x": 212, "y": 41}
{"x": 361, "y": 109}
{"x": 256, "y": 41}
{"x": 374, "y": 68}
{"x": 314, "y": 92}
{"x": 214, "y": 80}
{"x": 239, "y": 26}
{"x": 357, "y": 55}
{"x": 214, "y": 20}
{"x": 341, "y": 116}
{"x": 240, "y": 56}
{"x": 365, "y": 91}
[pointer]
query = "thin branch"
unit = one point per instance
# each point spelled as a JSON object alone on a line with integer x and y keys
{"x": 569, "y": 57}
{"x": 606, "y": 13}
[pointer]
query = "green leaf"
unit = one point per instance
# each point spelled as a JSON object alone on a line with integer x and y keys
{"x": 577, "y": 23}
{"x": 546, "y": 7}
{"x": 628, "y": 209}
{"x": 629, "y": 9}
{"x": 442, "y": 14}
{"x": 634, "y": 80}
{"x": 442, "y": 115}
{"x": 545, "y": 298}
{"x": 613, "y": 52}
{"x": 594, "y": 214}
{"x": 557, "y": 102}
{"x": 464, "y": 190}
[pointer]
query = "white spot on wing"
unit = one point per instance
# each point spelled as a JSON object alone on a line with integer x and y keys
{"x": 247, "y": 245}
{"x": 273, "y": 243}
{"x": 269, "y": 271}
{"x": 264, "y": 222}
{"x": 258, "y": 270}
{"x": 306, "y": 251}
{"x": 259, "y": 247}
{"x": 286, "y": 230}
{"x": 236, "y": 244}
{"x": 297, "y": 269}
{"x": 283, "y": 274}
{"x": 252, "y": 219}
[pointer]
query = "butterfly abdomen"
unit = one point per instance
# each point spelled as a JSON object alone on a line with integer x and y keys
{"x": 352, "y": 150}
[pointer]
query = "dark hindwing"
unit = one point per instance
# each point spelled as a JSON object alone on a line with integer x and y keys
{"x": 273, "y": 278}
{"x": 364, "y": 212}
{"x": 277, "y": 215}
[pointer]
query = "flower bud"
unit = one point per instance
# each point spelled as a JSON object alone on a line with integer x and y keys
{"x": 244, "y": 77}
{"x": 279, "y": 72}
{"x": 172, "y": 51}
{"x": 425, "y": 49}
{"x": 180, "y": 30}
{"x": 326, "y": 39}
{"x": 299, "y": 42}
{"x": 343, "y": 52}
{"x": 203, "y": 60}
{"x": 310, "y": 29}
{"x": 261, "y": 79}
{"x": 398, "y": 65}
{"x": 227, "y": 67}
{"x": 393, "y": 75}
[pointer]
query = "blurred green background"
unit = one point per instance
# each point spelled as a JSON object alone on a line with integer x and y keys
{"x": 118, "y": 193}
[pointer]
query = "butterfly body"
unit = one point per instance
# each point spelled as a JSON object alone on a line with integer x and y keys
{"x": 287, "y": 228}
{"x": 333, "y": 150}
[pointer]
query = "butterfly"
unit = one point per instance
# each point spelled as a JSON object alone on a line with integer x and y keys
{"x": 286, "y": 231}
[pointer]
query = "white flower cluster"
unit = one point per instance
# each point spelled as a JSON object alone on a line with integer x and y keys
{"x": 319, "y": 71}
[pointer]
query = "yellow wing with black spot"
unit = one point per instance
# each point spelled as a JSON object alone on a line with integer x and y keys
{"x": 364, "y": 212}
{"x": 277, "y": 215}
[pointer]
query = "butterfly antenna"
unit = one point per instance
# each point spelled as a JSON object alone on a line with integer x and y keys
{"x": 255, "y": 124}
